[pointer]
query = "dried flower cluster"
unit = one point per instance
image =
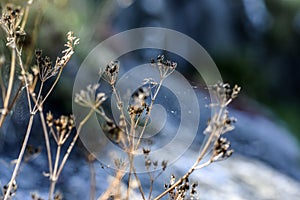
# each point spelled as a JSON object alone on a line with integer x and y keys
{"x": 12, "y": 192}
{"x": 90, "y": 98}
{"x": 221, "y": 149}
{"x": 183, "y": 191}
{"x": 224, "y": 93}
{"x": 165, "y": 67}
{"x": 111, "y": 72}
{"x": 138, "y": 102}
{"x": 10, "y": 22}
{"x": 60, "y": 128}
{"x": 45, "y": 68}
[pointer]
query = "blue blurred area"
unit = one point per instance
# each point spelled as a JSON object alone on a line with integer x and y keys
{"x": 254, "y": 43}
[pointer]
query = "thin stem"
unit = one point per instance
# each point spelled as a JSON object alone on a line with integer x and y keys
{"x": 25, "y": 18}
{"x": 53, "y": 176}
{"x": 204, "y": 164}
{"x": 46, "y": 136}
{"x": 66, "y": 156}
{"x": 92, "y": 180}
{"x": 19, "y": 160}
{"x": 129, "y": 175}
{"x": 3, "y": 90}
{"x": 115, "y": 183}
{"x": 25, "y": 79}
{"x": 151, "y": 188}
{"x": 38, "y": 96}
{"x": 139, "y": 184}
{"x": 149, "y": 113}
{"x": 52, "y": 87}
{"x": 120, "y": 106}
{"x": 191, "y": 170}
{"x": 10, "y": 85}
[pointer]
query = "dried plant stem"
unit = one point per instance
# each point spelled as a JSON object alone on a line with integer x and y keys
{"x": 59, "y": 167}
{"x": 114, "y": 184}
{"x": 19, "y": 160}
{"x": 92, "y": 180}
{"x": 25, "y": 79}
{"x": 139, "y": 184}
{"x": 10, "y": 85}
{"x": 3, "y": 90}
{"x": 120, "y": 107}
{"x": 50, "y": 90}
{"x": 196, "y": 165}
{"x": 191, "y": 170}
{"x": 53, "y": 176}
{"x": 47, "y": 141}
{"x": 148, "y": 115}
{"x": 132, "y": 171}
{"x": 24, "y": 20}
{"x": 129, "y": 175}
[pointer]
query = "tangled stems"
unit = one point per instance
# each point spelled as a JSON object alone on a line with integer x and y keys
{"x": 38, "y": 101}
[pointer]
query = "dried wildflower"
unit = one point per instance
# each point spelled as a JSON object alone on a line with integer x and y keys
{"x": 220, "y": 124}
{"x": 45, "y": 67}
{"x": 138, "y": 102}
{"x": 60, "y": 128}
{"x": 224, "y": 93}
{"x": 90, "y": 98}
{"x": 221, "y": 149}
{"x": 184, "y": 190}
{"x": 13, "y": 190}
{"x": 165, "y": 67}
{"x": 72, "y": 41}
{"x": 110, "y": 74}
{"x": 10, "y": 19}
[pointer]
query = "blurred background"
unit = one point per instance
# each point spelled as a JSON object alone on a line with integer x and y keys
{"x": 254, "y": 43}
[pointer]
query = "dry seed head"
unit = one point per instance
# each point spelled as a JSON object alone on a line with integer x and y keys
{"x": 13, "y": 190}
{"x": 224, "y": 93}
{"x": 89, "y": 97}
{"x": 110, "y": 74}
{"x": 49, "y": 119}
{"x": 221, "y": 149}
{"x": 165, "y": 67}
{"x": 138, "y": 104}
